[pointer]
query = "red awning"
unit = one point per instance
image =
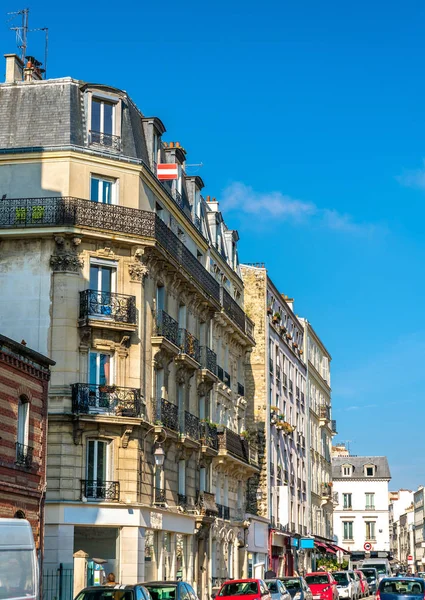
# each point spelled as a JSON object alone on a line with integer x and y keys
{"x": 339, "y": 549}
{"x": 330, "y": 549}
{"x": 320, "y": 545}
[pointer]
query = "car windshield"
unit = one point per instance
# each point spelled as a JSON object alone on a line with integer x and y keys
{"x": 340, "y": 577}
{"x": 102, "y": 594}
{"x": 242, "y": 588}
{"x": 292, "y": 584}
{"x": 380, "y": 567}
{"x": 369, "y": 573}
{"x": 162, "y": 592}
{"x": 17, "y": 574}
{"x": 402, "y": 587}
{"x": 272, "y": 585}
{"x": 312, "y": 579}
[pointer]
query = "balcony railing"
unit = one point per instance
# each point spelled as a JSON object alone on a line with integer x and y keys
{"x": 208, "y": 434}
{"x": 206, "y": 503}
{"x": 208, "y": 359}
{"x": 233, "y": 443}
{"x": 90, "y": 398}
{"x": 182, "y": 499}
{"x": 223, "y": 512}
{"x": 105, "y": 139}
{"x": 189, "y": 425}
{"x": 241, "y": 389}
{"x": 232, "y": 308}
{"x": 167, "y": 413}
{"x": 167, "y": 327}
{"x": 159, "y": 496}
{"x": 325, "y": 412}
{"x": 96, "y": 489}
{"x": 24, "y": 455}
{"x": 188, "y": 344}
{"x": 108, "y": 305}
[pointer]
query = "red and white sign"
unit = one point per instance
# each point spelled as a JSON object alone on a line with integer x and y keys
{"x": 367, "y": 546}
{"x": 167, "y": 171}
{"x": 410, "y": 558}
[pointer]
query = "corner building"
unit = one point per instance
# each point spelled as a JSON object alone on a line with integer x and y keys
{"x": 132, "y": 285}
{"x": 276, "y": 389}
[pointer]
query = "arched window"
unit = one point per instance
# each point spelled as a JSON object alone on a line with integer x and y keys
{"x": 19, "y": 514}
{"x": 23, "y": 421}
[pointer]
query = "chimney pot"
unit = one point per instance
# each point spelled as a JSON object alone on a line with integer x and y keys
{"x": 171, "y": 145}
{"x": 208, "y": 198}
{"x": 177, "y": 144}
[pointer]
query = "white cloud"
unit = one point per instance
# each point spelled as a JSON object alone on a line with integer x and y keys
{"x": 244, "y": 198}
{"x": 414, "y": 178}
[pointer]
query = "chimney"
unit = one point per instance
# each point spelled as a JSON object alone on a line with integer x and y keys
{"x": 14, "y": 68}
{"x": 32, "y": 71}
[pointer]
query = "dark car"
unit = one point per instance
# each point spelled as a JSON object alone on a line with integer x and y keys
{"x": 251, "y": 589}
{"x": 397, "y": 588}
{"x": 114, "y": 592}
{"x": 170, "y": 590}
{"x": 371, "y": 575}
{"x": 297, "y": 587}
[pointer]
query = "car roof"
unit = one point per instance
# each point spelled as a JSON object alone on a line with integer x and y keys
{"x": 162, "y": 582}
{"x": 242, "y": 580}
{"x": 318, "y": 573}
{"x": 409, "y": 577}
{"x": 117, "y": 586}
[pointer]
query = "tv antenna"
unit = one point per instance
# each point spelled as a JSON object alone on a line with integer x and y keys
{"x": 22, "y": 31}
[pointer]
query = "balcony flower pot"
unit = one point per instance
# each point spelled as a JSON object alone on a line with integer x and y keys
{"x": 269, "y": 310}
{"x": 107, "y": 389}
{"x": 276, "y": 318}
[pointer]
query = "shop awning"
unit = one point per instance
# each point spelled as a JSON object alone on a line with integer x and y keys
{"x": 339, "y": 549}
{"x": 320, "y": 545}
{"x": 330, "y": 549}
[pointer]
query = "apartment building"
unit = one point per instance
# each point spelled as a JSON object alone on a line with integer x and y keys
{"x": 419, "y": 522}
{"x": 132, "y": 285}
{"x": 321, "y": 429}
{"x": 400, "y": 503}
{"x": 276, "y": 389}
{"x": 361, "y": 515}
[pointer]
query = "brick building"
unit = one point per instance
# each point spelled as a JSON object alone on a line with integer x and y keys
{"x": 24, "y": 377}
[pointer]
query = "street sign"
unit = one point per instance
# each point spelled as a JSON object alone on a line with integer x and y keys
{"x": 410, "y": 559}
{"x": 367, "y": 546}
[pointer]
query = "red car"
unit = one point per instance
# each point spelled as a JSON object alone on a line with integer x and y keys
{"x": 250, "y": 589}
{"x": 322, "y": 585}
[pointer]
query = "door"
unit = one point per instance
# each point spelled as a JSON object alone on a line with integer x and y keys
{"x": 102, "y": 285}
{"x": 96, "y": 469}
{"x": 100, "y": 382}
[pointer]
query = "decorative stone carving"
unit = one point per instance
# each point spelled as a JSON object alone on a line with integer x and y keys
{"x": 138, "y": 272}
{"x": 66, "y": 257}
{"x": 125, "y": 437}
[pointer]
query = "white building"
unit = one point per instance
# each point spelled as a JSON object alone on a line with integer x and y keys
{"x": 400, "y": 503}
{"x": 361, "y": 517}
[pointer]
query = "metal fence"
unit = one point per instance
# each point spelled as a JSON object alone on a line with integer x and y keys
{"x": 58, "y": 584}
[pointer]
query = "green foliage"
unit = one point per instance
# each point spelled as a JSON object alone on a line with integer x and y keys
{"x": 331, "y": 564}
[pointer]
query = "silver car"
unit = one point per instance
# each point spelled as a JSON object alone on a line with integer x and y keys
{"x": 278, "y": 590}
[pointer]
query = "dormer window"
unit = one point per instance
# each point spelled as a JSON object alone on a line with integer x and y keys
{"x": 347, "y": 470}
{"x": 369, "y": 470}
{"x": 105, "y": 123}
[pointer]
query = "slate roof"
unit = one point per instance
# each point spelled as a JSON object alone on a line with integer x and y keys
{"x": 52, "y": 113}
{"x": 358, "y": 462}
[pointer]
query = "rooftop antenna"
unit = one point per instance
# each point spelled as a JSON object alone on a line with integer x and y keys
{"x": 46, "y": 46}
{"x": 21, "y": 31}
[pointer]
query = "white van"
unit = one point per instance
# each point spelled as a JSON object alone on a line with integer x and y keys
{"x": 18, "y": 561}
{"x": 382, "y": 565}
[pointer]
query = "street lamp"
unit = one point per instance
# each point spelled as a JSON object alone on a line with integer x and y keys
{"x": 159, "y": 456}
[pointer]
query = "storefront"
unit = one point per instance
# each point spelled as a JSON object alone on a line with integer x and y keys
{"x": 257, "y": 544}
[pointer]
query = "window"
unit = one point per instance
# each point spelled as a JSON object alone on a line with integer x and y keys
{"x": 182, "y": 477}
{"x": 23, "y": 421}
{"x": 102, "y": 190}
{"x": 369, "y": 470}
{"x": 100, "y": 369}
{"x": 102, "y": 280}
{"x": 160, "y": 297}
{"x": 346, "y": 500}
{"x": 96, "y": 469}
{"x": 370, "y": 530}
{"x": 348, "y": 530}
{"x": 346, "y": 470}
{"x": 103, "y": 128}
{"x": 370, "y": 501}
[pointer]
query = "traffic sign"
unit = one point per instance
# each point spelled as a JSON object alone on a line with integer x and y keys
{"x": 410, "y": 558}
{"x": 367, "y": 546}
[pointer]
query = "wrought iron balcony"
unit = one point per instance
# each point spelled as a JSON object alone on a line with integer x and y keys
{"x": 108, "y": 305}
{"x": 188, "y": 344}
{"x": 182, "y": 499}
{"x": 88, "y": 398}
{"x": 96, "y": 489}
{"x": 233, "y": 310}
{"x": 167, "y": 413}
{"x": 113, "y": 142}
{"x": 241, "y": 389}
{"x": 233, "y": 444}
{"x": 325, "y": 412}
{"x": 208, "y": 359}
{"x": 206, "y": 502}
{"x": 159, "y": 496}
{"x": 189, "y": 425}
{"x": 208, "y": 434}
{"x": 24, "y": 455}
{"x": 167, "y": 327}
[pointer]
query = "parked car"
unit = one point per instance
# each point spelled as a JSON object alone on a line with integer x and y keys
{"x": 297, "y": 587}
{"x": 114, "y": 592}
{"x": 363, "y": 583}
{"x": 396, "y": 588}
{"x": 371, "y": 575}
{"x": 278, "y": 590}
{"x": 252, "y": 589}
{"x": 345, "y": 585}
{"x": 322, "y": 585}
{"x": 170, "y": 590}
{"x": 357, "y": 585}
{"x": 382, "y": 565}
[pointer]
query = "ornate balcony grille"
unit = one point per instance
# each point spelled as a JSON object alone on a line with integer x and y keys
{"x": 105, "y": 139}
{"x": 206, "y": 502}
{"x": 233, "y": 443}
{"x": 107, "y": 399}
{"x": 188, "y": 344}
{"x": 96, "y": 489}
{"x": 159, "y": 495}
{"x": 325, "y": 412}
{"x": 220, "y": 373}
{"x": 233, "y": 310}
{"x": 167, "y": 327}
{"x": 24, "y": 455}
{"x": 208, "y": 433}
{"x": 182, "y": 499}
{"x": 208, "y": 359}
{"x": 241, "y": 389}
{"x": 117, "y": 307}
{"x": 189, "y": 425}
{"x": 167, "y": 413}
{"x": 69, "y": 211}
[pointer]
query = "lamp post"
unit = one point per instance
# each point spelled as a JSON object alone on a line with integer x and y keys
{"x": 159, "y": 456}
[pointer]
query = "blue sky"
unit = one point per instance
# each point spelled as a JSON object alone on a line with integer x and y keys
{"x": 309, "y": 119}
